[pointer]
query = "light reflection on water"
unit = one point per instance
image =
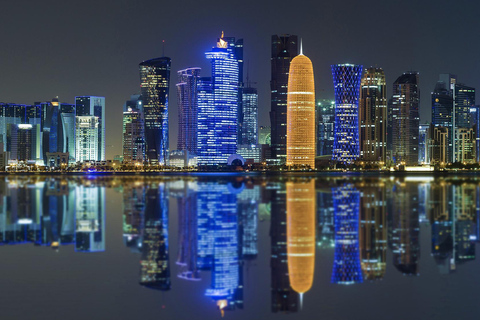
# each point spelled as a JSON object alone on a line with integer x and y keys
{"x": 366, "y": 223}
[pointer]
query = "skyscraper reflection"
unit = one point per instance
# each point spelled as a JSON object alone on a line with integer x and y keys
{"x": 90, "y": 219}
{"x": 133, "y": 214}
{"x": 155, "y": 271}
{"x": 346, "y": 266}
{"x": 301, "y": 234}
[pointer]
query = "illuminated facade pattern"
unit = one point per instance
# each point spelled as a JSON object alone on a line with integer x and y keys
{"x": 86, "y": 138}
{"x": 67, "y": 114}
{"x": 18, "y": 114}
{"x": 155, "y": 270}
{"x": 301, "y": 113}
{"x": 373, "y": 116}
{"x": 94, "y": 106}
{"x": 325, "y": 127}
{"x": 284, "y": 49}
{"x": 187, "y": 109}
{"x": 21, "y": 141}
{"x": 249, "y": 130}
{"x": 154, "y": 83}
{"x": 301, "y": 234}
{"x": 465, "y": 145}
{"x": 133, "y": 137}
{"x": 423, "y": 145}
{"x": 346, "y": 82}
{"x": 217, "y": 122}
{"x": 346, "y": 266}
{"x": 464, "y": 100}
{"x": 405, "y": 118}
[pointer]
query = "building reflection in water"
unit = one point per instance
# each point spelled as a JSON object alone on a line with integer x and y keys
{"x": 301, "y": 235}
{"x": 90, "y": 219}
{"x": 373, "y": 230}
{"x": 346, "y": 265}
{"x": 155, "y": 271}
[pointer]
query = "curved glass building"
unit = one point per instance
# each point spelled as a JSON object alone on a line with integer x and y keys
{"x": 346, "y": 82}
{"x": 154, "y": 82}
{"x": 301, "y": 113}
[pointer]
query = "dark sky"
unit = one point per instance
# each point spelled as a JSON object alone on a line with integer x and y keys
{"x": 68, "y": 48}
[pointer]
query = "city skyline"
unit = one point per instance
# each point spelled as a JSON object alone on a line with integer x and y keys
{"x": 119, "y": 49}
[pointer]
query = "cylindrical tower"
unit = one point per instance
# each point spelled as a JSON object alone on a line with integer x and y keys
{"x": 301, "y": 113}
{"x": 301, "y": 234}
{"x": 346, "y": 82}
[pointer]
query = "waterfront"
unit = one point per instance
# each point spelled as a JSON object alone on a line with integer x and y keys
{"x": 180, "y": 247}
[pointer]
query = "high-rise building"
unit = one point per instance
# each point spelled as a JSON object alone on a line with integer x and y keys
{"x": 284, "y": 49}
{"x": 22, "y": 141}
{"x": 154, "y": 83}
{"x": 373, "y": 115}
{"x": 423, "y": 138}
{"x": 464, "y": 100}
{"x": 133, "y": 136}
{"x": 346, "y": 81}
{"x": 249, "y": 129}
{"x": 94, "y": 106}
{"x": 217, "y": 120}
{"x": 86, "y": 138}
{"x": 346, "y": 266}
{"x": 67, "y": 115}
{"x": 301, "y": 113}
{"x": 325, "y": 114}
{"x": 188, "y": 109}
{"x": 405, "y": 120}
{"x": 465, "y": 145}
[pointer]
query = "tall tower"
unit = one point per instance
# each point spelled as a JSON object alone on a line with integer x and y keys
{"x": 284, "y": 49}
{"x": 405, "y": 118}
{"x": 154, "y": 83}
{"x": 187, "y": 109}
{"x": 249, "y": 116}
{"x": 219, "y": 127}
{"x": 301, "y": 234}
{"x": 373, "y": 115}
{"x": 301, "y": 113}
{"x": 94, "y": 106}
{"x": 346, "y": 82}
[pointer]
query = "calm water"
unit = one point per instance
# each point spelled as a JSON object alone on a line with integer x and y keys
{"x": 249, "y": 247}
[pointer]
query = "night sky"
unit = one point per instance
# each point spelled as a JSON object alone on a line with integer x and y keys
{"x": 68, "y": 48}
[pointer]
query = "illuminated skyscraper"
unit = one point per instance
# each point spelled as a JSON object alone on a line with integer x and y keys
{"x": 86, "y": 138}
{"x": 133, "y": 131}
{"x": 284, "y": 49}
{"x": 218, "y": 122}
{"x": 155, "y": 270}
{"x": 423, "y": 145}
{"x": 94, "y": 106}
{"x": 373, "y": 115}
{"x": 301, "y": 234}
{"x": 405, "y": 118}
{"x": 325, "y": 114}
{"x": 301, "y": 113}
{"x": 188, "y": 109}
{"x": 154, "y": 83}
{"x": 346, "y": 81}
{"x": 67, "y": 114}
{"x": 346, "y": 266}
{"x": 249, "y": 130}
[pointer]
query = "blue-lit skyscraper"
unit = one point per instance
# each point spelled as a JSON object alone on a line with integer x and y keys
{"x": 346, "y": 266}
{"x": 346, "y": 82}
{"x": 217, "y": 123}
{"x": 154, "y": 82}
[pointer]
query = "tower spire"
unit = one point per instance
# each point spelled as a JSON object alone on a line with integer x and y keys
{"x": 301, "y": 46}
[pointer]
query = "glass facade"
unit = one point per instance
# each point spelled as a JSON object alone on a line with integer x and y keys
{"x": 249, "y": 130}
{"x": 325, "y": 114}
{"x": 94, "y": 106}
{"x": 155, "y": 82}
{"x": 86, "y": 138}
{"x": 346, "y": 82}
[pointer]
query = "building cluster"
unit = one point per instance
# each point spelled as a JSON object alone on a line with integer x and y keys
{"x": 52, "y": 133}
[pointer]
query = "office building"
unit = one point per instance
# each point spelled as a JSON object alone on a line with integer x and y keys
{"x": 423, "y": 138}
{"x": 154, "y": 83}
{"x": 133, "y": 136}
{"x": 86, "y": 138}
{"x": 187, "y": 97}
{"x": 405, "y": 118}
{"x": 284, "y": 49}
{"x": 325, "y": 114}
{"x": 249, "y": 128}
{"x": 346, "y": 81}
{"x": 91, "y": 106}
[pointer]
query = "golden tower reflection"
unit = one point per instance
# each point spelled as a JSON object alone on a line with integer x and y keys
{"x": 301, "y": 234}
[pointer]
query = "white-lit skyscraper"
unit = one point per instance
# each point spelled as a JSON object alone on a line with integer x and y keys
{"x": 94, "y": 106}
{"x": 86, "y": 138}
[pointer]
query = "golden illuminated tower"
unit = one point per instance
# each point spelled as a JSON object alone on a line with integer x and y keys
{"x": 301, "y": 234}
{"x": 301, "y": 113}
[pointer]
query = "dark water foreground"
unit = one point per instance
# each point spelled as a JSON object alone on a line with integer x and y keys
{"x": 245, "y": 247}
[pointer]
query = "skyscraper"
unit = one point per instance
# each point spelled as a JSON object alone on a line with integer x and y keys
{"x": 86, "y": 138}
{"x": 188, "y": 109}
{"x": 217, "y": 122}
{"x": 346, "y": 81}
{"x": 284, "y": 49}
{"x": 464, "y": 100}
{"x": 154, "y": 83}
{"x": 373, "y": 115}
{"x": 249, "y": 129}
{"x": 325, "y": 115}
{"x": 301, "y": 113}
{"x": 67, "y": 115}
{"x": 133, "y": 136}
{"x": 423, "y": 145}
{"x": 405, "y": 121}
{"x": 94, "y": 106}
